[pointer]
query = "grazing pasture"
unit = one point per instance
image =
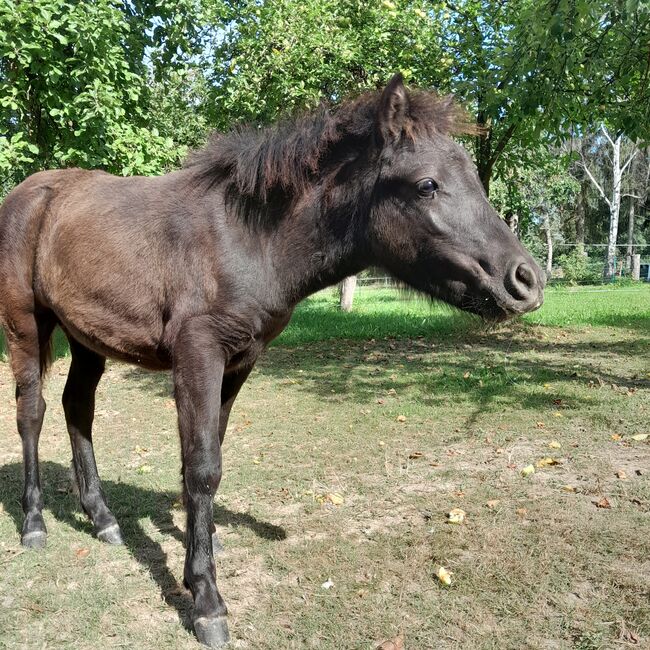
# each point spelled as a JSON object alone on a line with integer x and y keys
{"x": 354, "y": 437}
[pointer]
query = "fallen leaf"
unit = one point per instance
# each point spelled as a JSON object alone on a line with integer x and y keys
{"x": 144, "y": 469}
{"x": 603, "y": 503}
{"x": 396, "y": 643}
{"x": 639, "y": 437}
{"x": 401, "y": 418}
{"x": 492, "y": 503}
{"x": 467, "y": 375}
{"x": 615, "y": 436}
{"x": 568, "y": 488}
{"x": 554, "y": 444}
{"x": 521, "y": 512}
{"x": 415, "y": 454}
{"x": 456, "y": 516}
{"x": 328, "y": 584}
{"x": 82, "y": 552}
{"x": 621, "y": 474}
{"x": 444, "y": 576}
{"x": 539, "y": 425}
{"x": 557, "y": 414}
{"x": 528, "y": 470}
{"x": 547, "y": 462}
{"x": 335, "y": 498}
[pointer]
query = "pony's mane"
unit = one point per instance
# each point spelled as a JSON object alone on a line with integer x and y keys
{"x": 263, "y": 166}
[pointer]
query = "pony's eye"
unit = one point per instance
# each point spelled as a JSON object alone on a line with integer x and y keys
{"x": 427, "y": 188}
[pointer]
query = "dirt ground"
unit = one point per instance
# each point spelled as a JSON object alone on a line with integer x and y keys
{"x": 342, "y": 460}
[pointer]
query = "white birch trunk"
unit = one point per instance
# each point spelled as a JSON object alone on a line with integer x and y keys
{"x": 630, "y": 235}
{"x": 614, "y": 210}
{"x": 614, "y": 200}
{"x": 347, "y": 292}
{"x": 549, "y": 246}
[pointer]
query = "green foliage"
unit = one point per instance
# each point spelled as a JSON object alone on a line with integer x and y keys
{"x": 129, "y": 85}
{"x": 594, "y": 62}
{"x": 289, "y": 55}
{"x": 535, "y": 192}
{"x": 530, "y": 69}
{"x": 575, "y": 265}
{"x": 75, "y": 89}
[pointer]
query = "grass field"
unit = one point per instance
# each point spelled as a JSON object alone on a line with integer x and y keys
{"x": 403, "y": 411}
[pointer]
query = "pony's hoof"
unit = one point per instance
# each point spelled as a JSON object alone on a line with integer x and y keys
{"x": 217, "y": 546}
{"x": 35, "y": 539}
{"x": 212, "y": 632}
{"x": 111, "y": 535}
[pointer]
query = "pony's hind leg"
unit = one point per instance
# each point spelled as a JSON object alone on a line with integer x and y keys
{"x": 28, "y": 338}
{"x": 86, "y": 370}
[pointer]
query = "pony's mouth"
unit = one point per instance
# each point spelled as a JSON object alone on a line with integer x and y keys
{"x": 493, "y": 306}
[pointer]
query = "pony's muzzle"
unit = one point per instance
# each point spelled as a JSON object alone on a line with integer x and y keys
{"x": 525, "y": 285}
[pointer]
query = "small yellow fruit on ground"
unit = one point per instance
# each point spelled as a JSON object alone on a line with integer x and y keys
{"x": 456, "y": 516}
{"x": 444, "y": 576}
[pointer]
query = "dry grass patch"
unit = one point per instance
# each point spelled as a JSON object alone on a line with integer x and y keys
{"x": 402, "y": 431}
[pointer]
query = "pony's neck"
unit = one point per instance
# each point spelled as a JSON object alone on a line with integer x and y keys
{"x": 316, "y": 248}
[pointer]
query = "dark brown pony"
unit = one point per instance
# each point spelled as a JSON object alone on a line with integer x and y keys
{"x": 198, "y": 270}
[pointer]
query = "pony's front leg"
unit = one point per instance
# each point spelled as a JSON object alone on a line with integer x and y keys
{"x": 198, "y": 374}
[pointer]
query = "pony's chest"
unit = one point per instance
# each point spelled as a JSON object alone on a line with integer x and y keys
{"x": 246, "y": 356}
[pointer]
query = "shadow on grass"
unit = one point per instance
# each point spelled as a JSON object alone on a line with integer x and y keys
{"x": 487, "y": 373}
{"x": 129, "y": 504}
{"x": 510, "y": 368}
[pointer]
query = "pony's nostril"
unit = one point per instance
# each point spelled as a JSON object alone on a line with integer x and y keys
{"x": 521, "y": 281}
{"x": 525, "y": 275}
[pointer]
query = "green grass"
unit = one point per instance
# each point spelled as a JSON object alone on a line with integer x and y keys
{"x": 405, "y": 419}
{"x": 381, "y": 313}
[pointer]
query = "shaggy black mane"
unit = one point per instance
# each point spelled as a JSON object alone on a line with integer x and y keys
{"x": 263, "y": 167}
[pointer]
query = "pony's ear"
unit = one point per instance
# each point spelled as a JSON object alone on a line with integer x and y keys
{"x": 393, "y": 110}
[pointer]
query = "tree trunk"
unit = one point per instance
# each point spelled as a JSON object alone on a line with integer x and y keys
{"x": 483, "y": 150}
{"x": 630, "y": 235}
{"x": 512, "y": 219}
{"x": 581, "y": 212}
{"x": 614, "y": 210}
{"x": 347, "y": 288}
{"x": 549, "y": 246}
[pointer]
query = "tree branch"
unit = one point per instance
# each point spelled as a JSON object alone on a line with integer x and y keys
{"x": 596, "y": 183}
{"x": 604, "y": 130}
{"x": 503, "y": 141}
{"x": 629, "y": 160}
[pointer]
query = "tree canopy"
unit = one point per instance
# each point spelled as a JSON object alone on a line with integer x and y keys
{"x": 129, "y": 85}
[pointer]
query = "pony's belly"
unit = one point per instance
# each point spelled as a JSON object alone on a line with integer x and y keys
{"x": 107, "y": 334}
